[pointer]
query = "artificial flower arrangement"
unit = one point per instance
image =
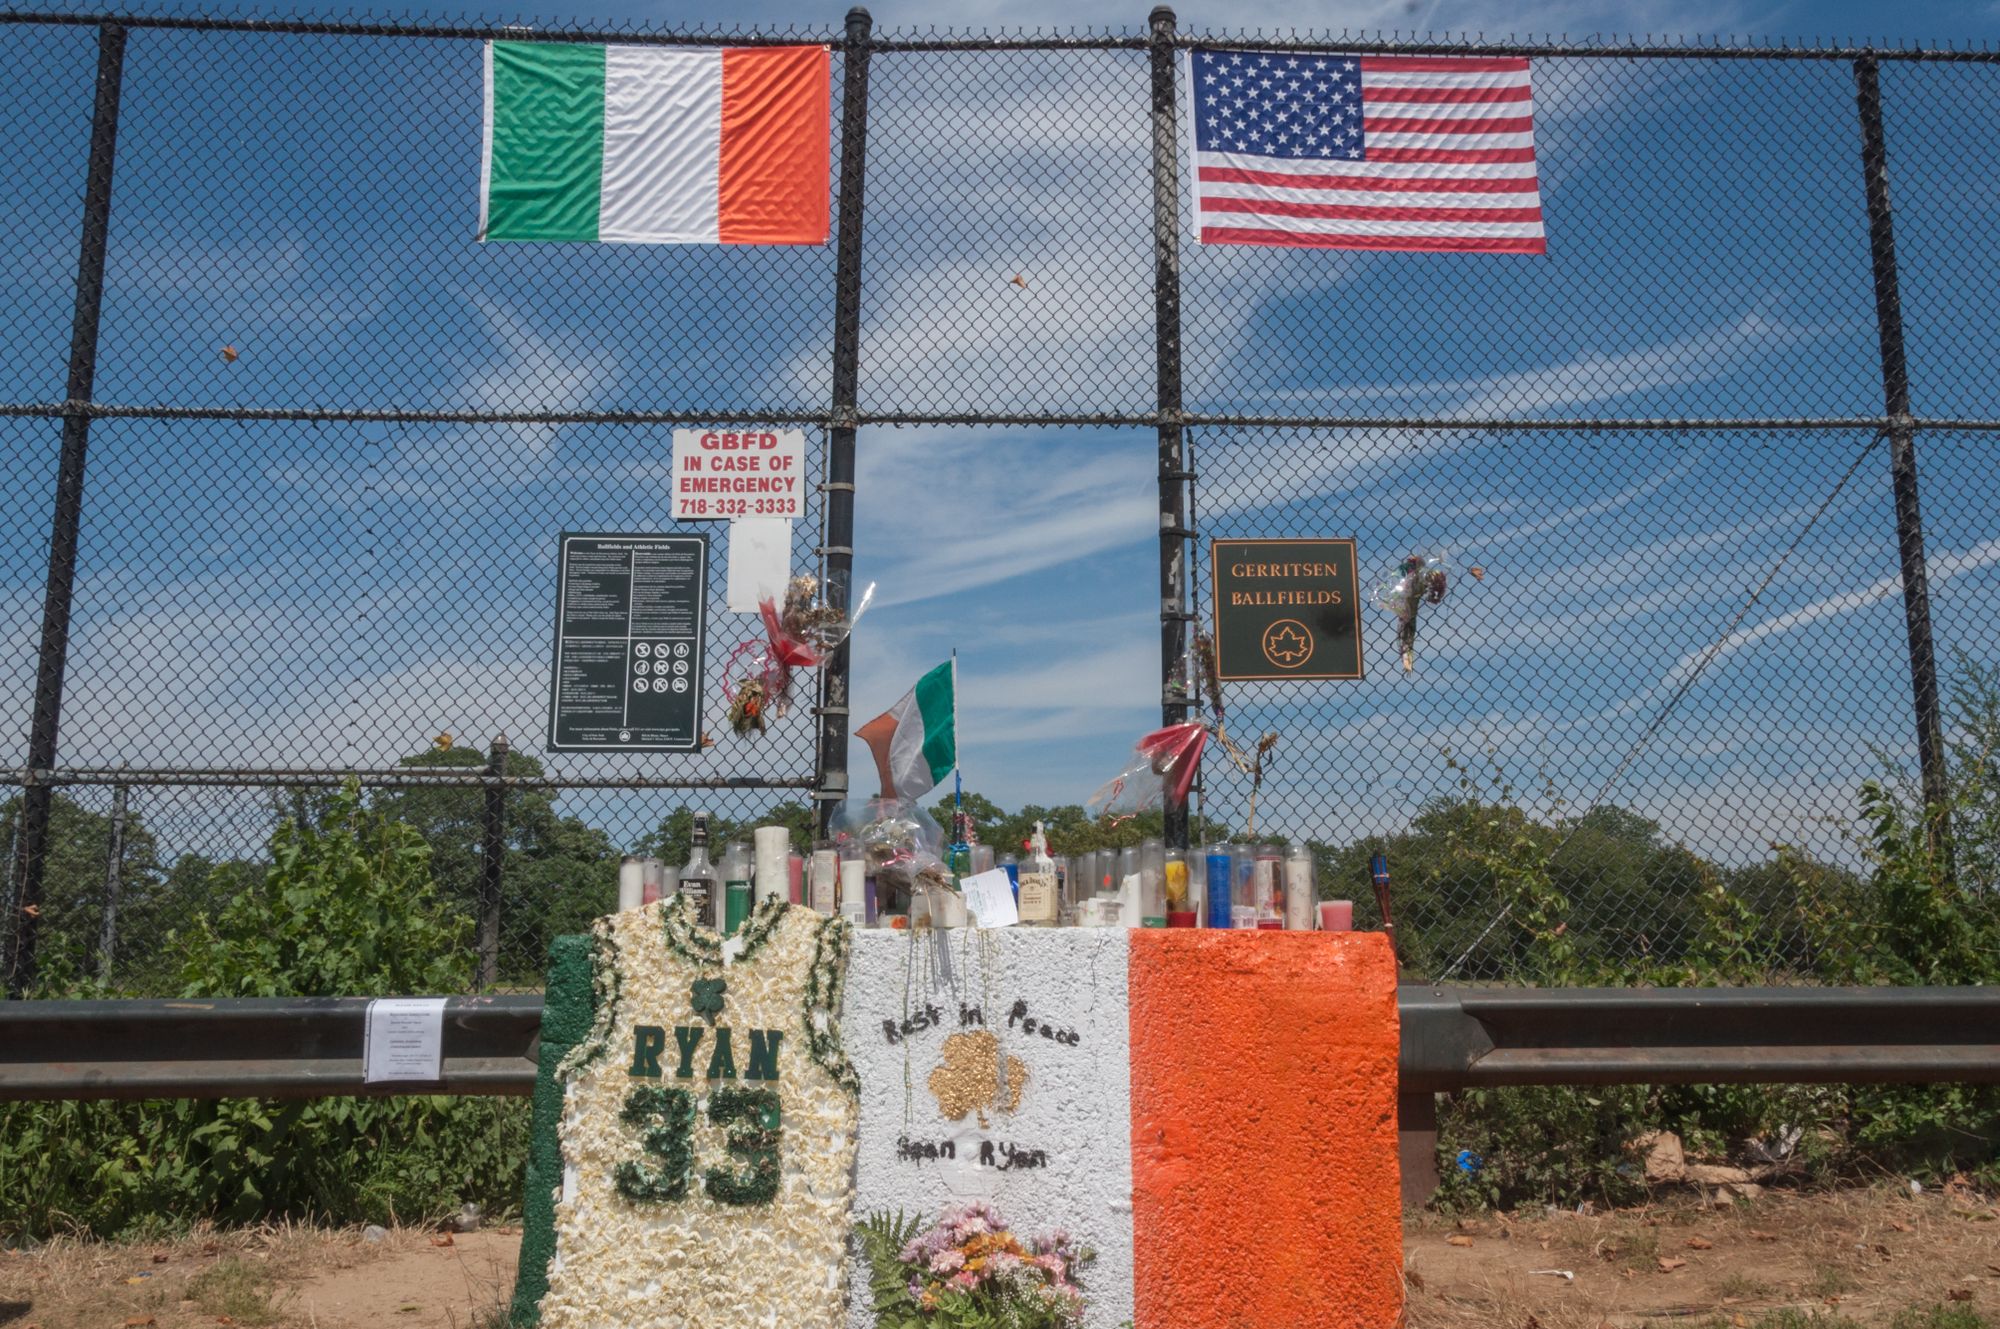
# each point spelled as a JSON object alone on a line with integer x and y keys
{"x": 969, "y": 1271}
{"x": 800, "y": 634}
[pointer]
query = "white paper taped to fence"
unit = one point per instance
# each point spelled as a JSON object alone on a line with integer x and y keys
{"x": 404, "y": 1040}
{"x": 760, "y": 561}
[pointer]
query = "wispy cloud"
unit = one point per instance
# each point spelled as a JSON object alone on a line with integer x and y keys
{"x": 1588, "y": 379}
{"x": 960, "y": 511}
{"x": 1941, "y": 568}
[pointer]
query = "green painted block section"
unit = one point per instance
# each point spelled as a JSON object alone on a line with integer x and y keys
{"x": 548, "y": 141}
{"x": 569, "y": 1006}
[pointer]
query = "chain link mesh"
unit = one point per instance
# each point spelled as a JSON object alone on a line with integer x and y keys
{"x": 323, "y": 549}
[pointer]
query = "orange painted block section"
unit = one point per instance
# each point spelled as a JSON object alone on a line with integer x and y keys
{"x": 776, "y": 117}
{"x": 1265, "y": 1187}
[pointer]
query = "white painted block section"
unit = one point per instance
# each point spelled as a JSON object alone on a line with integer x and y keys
{"x": 1071, "y": 1135}
{"x": 662, "y": 146}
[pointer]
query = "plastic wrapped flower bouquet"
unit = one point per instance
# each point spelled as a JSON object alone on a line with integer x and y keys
{"x": 968, "y": 1269}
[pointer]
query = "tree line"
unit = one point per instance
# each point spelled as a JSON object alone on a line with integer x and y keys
{"x": 1482, "y": 885}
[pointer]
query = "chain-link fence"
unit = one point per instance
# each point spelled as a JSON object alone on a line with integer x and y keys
{"x": 315, "y": 447}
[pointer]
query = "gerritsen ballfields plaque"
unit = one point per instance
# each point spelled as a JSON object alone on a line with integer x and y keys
{"x": 1286, "y": 609}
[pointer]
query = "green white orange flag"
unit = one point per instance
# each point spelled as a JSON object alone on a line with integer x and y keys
{"x": 915, "y": 742}
{"x": 656, "y": 144}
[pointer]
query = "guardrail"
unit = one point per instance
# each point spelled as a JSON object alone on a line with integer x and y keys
{"x": 249, "y": 1047}
{"x": 1457, "y": 1038}
{"x": 1452, "y": 1038}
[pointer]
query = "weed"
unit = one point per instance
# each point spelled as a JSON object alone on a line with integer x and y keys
{"x": 1742, "y": 1287}
{"x": 237, "y": 1289}
{"x": 1941, "y": 1317}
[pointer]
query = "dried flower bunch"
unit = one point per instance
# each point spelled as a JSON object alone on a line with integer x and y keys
{"x": 1420, "y": 581}
{"x": 800, "y": 634}
{"x": 968, "y": 1270}
{"x": 747, "y": 707}
{"x": 804, "y": 618}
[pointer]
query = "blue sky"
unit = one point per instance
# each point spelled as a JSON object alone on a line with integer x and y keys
{"x": 338, "y": 593}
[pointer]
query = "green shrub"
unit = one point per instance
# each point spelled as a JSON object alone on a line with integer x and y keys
{"x": 346, "y": 909}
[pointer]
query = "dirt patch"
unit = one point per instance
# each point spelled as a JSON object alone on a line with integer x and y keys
{"x": 1860, "y": 1256}
{"x": 287, "y": 1278}
{"x": 420, "y": 1284}
{"x": 1855, "y": 1257}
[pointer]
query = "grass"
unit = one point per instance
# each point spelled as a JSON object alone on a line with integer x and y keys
{"x": 235, "y": 1288}
{"x": 1832, "y": 1281}
{"x": 1933, "y": 1317}
{"x": 1742, "y": 1287}
{"x": 1787, "y": 1320}
{"x": 1942, "y": 1317}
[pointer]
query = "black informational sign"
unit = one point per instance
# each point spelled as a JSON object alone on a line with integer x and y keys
{"x": 630, "y": 617}
{"x": 1286, "y": 609}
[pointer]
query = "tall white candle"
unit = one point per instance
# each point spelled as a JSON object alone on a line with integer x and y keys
{"x": 1300, "y": 893}
{"x": 774, "y": 873}
{"x": 823, "y": 887}
{"x": 854, "y": 889}
{"x": 631, "y": 883}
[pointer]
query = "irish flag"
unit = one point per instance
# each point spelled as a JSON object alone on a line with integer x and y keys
{"x": 655, "y": 144}
{"x": 915, "y": 742}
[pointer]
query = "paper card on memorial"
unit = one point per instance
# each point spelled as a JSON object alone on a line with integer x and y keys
{"x": 760, "y": 561}
{"x": 404, "y": 1039}
{"x": 989, "y": 897}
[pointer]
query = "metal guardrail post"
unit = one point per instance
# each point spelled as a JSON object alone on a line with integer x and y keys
{"x": 492, "y": 858}
{"x": 1902, "y": 444}
{"x": 114, "y": 872}
{"x": 1174, "y": 533}
{"x": 1416, "y": 1147}
{"x": 837, "y": 547}
{"x": 31, "y": 827}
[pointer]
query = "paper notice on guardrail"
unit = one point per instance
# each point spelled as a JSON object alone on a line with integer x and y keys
{"x": 404, "y": 1040}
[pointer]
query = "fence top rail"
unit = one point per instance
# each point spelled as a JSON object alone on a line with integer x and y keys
{"x": 1006, "y": 419}
{"x": 394, "y": 776}
{"x": 467, "y": 27}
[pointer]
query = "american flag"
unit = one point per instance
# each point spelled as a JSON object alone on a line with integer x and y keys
{"x": 1365, "y": 152}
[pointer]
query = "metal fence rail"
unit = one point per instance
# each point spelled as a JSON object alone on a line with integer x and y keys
{"x": 1724, "y": 457}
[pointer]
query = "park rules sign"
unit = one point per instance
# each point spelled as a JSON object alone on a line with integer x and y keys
{"x": 1285, "y": 609}
{"x": 631, "y": 612}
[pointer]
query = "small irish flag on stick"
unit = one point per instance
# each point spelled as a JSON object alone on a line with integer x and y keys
{"x": 656, "y": 144}
{"x": 915, "y": 742}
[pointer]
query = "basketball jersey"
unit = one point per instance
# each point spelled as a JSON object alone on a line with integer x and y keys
{"x": 708, "y": 1128}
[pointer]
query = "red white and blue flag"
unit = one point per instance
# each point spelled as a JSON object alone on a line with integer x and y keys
{"x": 1333, "y": 151}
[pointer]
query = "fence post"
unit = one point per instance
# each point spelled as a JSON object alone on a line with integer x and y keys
{"x": 114, "y": 871}
{"x": 837, "y": 544}
{"x": 31, "y": 830}
{"x": 492, "y": 856}
{"x": 1173, "y": 473}
{"x": 1902, "y": 445}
